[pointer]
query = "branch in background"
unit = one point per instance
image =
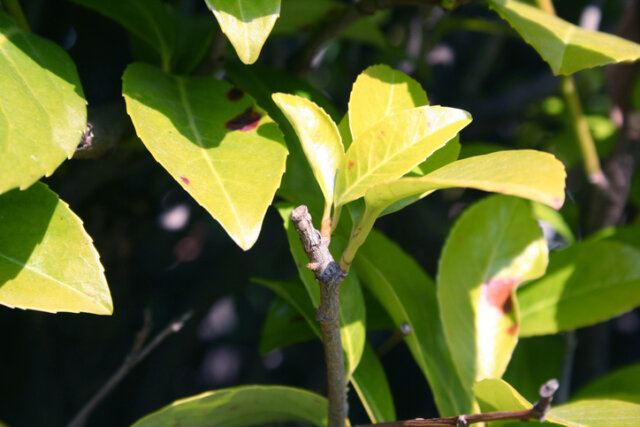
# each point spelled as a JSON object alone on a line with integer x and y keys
{"x": 538, "y": 412}
{"x": 137, "y": 354}
{"x": 304, "y": 59}
{"x": 329, "y": 276}
{"x": 395, "y": 339}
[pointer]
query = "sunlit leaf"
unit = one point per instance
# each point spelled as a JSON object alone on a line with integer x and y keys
{"x": 394, "y": 146}
{"x": 242, "y": 406}
{"x": 448, "y": 153}
{"x": 586, "y": 283}
{"x": 378, "y": 92}
{"x": 596, "y": 413}
{"x": 319, "y": 137}
{"x": 497, "y": 395}
{"x": 42, "y": 108}
{"x": 566, "y": 47}
{"x": 47, "y": 260}
{"x": 369, "y": 379}
{"x": 409, "y": 296}
{"x": 247, "y": 24}
{"x": 493, "y": 247}
{"x": 214, "y": 140}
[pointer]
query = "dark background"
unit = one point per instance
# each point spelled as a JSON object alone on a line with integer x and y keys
{"x": 53, "y": 364}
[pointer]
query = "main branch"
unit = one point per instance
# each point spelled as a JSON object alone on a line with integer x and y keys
{"x": 329, "y": 276}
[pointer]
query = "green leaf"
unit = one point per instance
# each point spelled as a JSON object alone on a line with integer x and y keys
{"x": 214, "y": 140}
{"x": 368, "y": 379}
{"x": 378, "y": 92}
{"x": 555, "y": 219}
{"x": 448, "y": 153}
{"x": 493, "y": 247}
{"x": 585, "y": 284}
{"x": 534, "y": 361}
{"x": 247, "y": 24}
{"x": 47, "y": 260}
{"x": 525, "y": 173}
{"x": 566, "y": 47}
{"x": 242, "y": 406}
{"x": 497, "y": 395}
{"x": 394, "y": 146}
{"x": 596, "y": 413}
{"x": 319, "y": 137}
{"x": 619, "y": 385}
{"x": 409, "y": 296}
{"x": 42, "y": 108}
{"x": 149, "y": 20}
{"x": 628, "y": 235}
{"x": 283, "y": 326}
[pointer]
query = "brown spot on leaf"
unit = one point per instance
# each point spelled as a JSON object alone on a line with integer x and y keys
{"x": 235, "y": 94}
{"x": 245, "y": 121}
{"x": 350, "y": 164}
{"x": 185, "y": 180}
{"x": 498, "y": 292}
{"x": 513, "y": 329}
{"x": 233, "y": 408}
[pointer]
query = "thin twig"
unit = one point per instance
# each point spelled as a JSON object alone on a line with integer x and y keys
{"x": 538, "y": 412}
{"x": 397, "y": 337}
{"x": 137, "y": 354}
{"x": 329, "y": 276}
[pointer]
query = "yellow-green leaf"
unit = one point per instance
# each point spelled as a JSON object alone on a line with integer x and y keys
{"x": 47, "y": 260}
{"x": 493, "y": 247}
{"x": 214, "y": 140}
{"x": 42, "y": 108}
{"x": 242, "y": 406}
{"x": 394, "y": 146}
{"x": 247, "y": 24}
{"x": 566, "y": 47}
{"x": 596, "y": 413}
{"x": 378, "y": 92}
{"x": 319, "y": 137}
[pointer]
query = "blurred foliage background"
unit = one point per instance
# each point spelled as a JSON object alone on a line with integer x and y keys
{"x": 163, "y": 252}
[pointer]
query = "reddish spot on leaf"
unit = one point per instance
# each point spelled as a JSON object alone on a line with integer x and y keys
{"x": 557, "y": 203}
{"x": 498, "y": 292}
{"x": 185, "y": 180}
{"x": 513, "y": 329}
{"x": 382, "y": 132}
{"x": 350, "y": 164}
{"x": 247, "y": 120}
{"x": 235, "y": 94}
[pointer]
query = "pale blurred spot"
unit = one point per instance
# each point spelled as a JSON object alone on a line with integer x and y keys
{"x": 176, "y": 217}
{"x": 628, "y": 323}
{"x": 273, "y": 359}
{"x": 221, "y": 365}
{"x": 590, "y": 18}
{"x": 220, "y": 319}
{"x": 441, "y": 54}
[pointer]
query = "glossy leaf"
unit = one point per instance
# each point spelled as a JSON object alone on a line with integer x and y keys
{"x": 596, "y": 413}
{"x": 497, "y": 395}
{"x": 214, "y": 140}
{"x": 409, "y": 296}
{"x": 247, "y": 24}
{"x": 242, "y": 406}
{"x": 585, "y": 284}
{"x": 566, "y": 47}
{"x": 149, "y": 20}
{"x": 525, "y": 173}
{"x": 493, "y": 247}
{"x": 42, "y": 108}
{"x": 319, "y": 137}
{"x": 47, "y": 260}
{"x": 620, "y": 385}
{"x": 282, "y": 327}
{"x": 394, "y": 146}
{"x": 368, "y": 379}
{"x": 378, "y": 92}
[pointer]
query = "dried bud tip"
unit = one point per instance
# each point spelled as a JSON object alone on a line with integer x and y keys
{"x": 549, "y": 388}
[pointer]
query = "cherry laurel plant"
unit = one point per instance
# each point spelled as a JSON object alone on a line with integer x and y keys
{"x": 234, "y": 145}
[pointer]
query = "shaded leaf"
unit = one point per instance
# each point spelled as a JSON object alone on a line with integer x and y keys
{"x": 409, "y": 296}
{"x": 242, "y": 406}
{"x": 628, "y": 235}
{"x": 394, "y": 146}
{"x": 619, "y": 385}
{"x": 47, "y": 260}
{"x": 494, "y": 246}
{"x": 247, "y": 24}
{"x": 378, "y": 92}
{"x": 318, "y": 136}
{"x": 214, "y": 140}
{"x": 566, "y": 47}
{"x": 586, "y": 283}
{"x": 555, "y": 220}
{"x": 368, "y": 379}
{"x": 282, "y": 327}
{"x": 149, "y": 20}
{"x": 42, "y": 108}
